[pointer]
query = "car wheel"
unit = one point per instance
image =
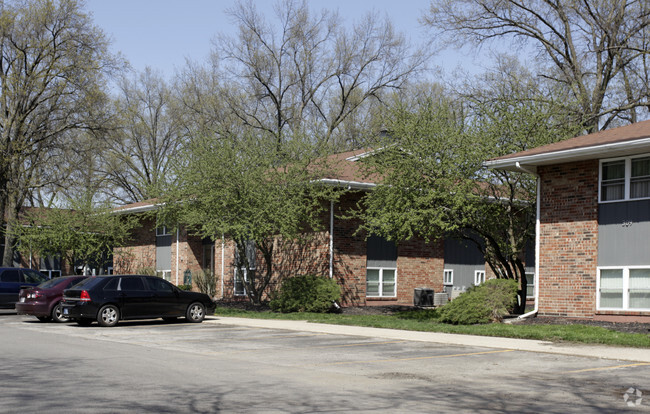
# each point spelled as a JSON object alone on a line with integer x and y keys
{"x": 84, "y": 322}
{"x": 108, "y": 316}
{"x": 195, "y": 312}
{"x": 43, "y": 318}
{"x": 57, "y": 314}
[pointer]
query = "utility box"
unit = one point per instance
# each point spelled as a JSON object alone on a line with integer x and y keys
{"x": 440, "y": 299}
{"x": 422, "y": 297}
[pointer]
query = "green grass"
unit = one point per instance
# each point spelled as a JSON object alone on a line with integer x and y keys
{"x": 425, "y": 321}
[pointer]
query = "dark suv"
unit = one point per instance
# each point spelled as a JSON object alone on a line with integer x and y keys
{"x": 11, "y": 279}
{"x": 109, "y": 299}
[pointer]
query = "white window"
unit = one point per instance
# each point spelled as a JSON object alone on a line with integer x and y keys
{"x": 479, "y": 277}
{"x": 163, "y": 231}
{"x": 380, "y": 282}
{"x": 51, "y": 273}
{"x": 625, "y": 178}
{"x": 241, "y": 276}
{"x": 165, "y": 274}
{"x": 624, "y": 288}
{"x": 448, "y": 277}
{"x": 530, "y": 285}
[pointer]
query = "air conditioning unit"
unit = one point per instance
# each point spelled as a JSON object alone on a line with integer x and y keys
{"x": 440, "y": 299}
{"x": 422, "y": 297}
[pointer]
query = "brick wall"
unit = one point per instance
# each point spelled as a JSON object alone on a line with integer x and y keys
{"x": 140, "y": 252}
{"x": 568, "y": 239}
{"x": 418, "y": 264}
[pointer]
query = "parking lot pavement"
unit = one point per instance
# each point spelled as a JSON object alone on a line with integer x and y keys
{"x": 227, "y": 364}
{"x": 638, "y": 355}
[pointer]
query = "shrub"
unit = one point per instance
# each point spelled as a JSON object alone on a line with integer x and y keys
{"x": 306, "y": 293}
{"x": 206, "y": 282}
{"x": 485, "y": 303}
{"x": 185, "y": 287}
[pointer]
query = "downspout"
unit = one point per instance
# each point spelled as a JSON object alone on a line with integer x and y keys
{"x": 538, "y": 228}
{"x": 331, "y": 247}
{"x": 223, "y": 259}
{"x": 177, "y": 254}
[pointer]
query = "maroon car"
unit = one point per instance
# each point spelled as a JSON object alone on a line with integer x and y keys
{"x": 44, "y": 300}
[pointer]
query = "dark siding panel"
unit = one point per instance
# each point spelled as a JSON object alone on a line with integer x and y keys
{"x": 623, "y": 233}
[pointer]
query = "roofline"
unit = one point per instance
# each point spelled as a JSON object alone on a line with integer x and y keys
{"x": 139, "y": 209}
{"x": 356, "y": 185}
{"x": 557, "y": 157}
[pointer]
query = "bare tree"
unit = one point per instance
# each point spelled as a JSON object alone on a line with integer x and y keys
{"x": 304, "y": 73}
{"x": 597, "y": 49}
{"x": 52, "y": 62}
{"x": 139, "y": 150}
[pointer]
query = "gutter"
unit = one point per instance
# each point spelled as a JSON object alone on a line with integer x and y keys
{"x": 537, "y": 239}
{"x": 557, "y": 157}
{"x": 356, "y": 185}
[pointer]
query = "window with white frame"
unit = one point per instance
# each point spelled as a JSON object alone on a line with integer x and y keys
{"x": 381, "y": 267}
{"x": 448, "y": 277}
{"x": 624, "y": 288}
{"x": 479, "y": 277}
{"x": 163, "y": 230}
{"x": 380, "y": 282}
{"x": 530, "y": 285}
{"x": 165, "y": 274}
{"x": 625, "y": 178}
{"x": 241, "y": 276}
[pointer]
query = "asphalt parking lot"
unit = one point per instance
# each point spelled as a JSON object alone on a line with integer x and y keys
{"x": 150, "y": 366}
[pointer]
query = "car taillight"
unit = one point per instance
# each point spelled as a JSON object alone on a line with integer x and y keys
{"x": 85, "y": 297}
{"x": 34, "y": 295}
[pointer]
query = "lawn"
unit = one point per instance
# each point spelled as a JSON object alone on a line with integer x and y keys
{"x": 419, "y": 321}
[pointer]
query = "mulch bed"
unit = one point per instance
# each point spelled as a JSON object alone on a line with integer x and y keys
{"x": 627, "y": 327}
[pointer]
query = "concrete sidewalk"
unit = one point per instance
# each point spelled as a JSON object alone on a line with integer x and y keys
{"x": 593, "y": 351}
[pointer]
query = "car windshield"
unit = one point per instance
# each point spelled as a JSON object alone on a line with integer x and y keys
{"x": 51, "y": 283}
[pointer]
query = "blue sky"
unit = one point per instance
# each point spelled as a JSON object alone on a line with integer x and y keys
{"x": 163, "y": 33}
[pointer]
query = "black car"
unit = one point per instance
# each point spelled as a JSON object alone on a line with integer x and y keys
{"x": 109, "y": 299}
{"x": 11, "y": 279}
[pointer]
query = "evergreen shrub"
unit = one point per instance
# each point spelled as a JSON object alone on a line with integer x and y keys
{"x": 488, "y": 302}
{"x": 307, "y": 293}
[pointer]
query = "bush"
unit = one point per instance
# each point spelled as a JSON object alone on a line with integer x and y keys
{"x": 488, "y": 302}
{"x": 185, "y": 287}
{"x": 206, "y": 282}
{"x": 306, "y": 293}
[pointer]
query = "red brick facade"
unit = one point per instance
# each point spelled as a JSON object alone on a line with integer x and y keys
{"x": 568, "y": 239}
{"x": 418, "y": 264}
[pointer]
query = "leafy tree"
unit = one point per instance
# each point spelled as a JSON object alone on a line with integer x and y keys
{"x": 597, "y": 50}
{"x": 245, "y": 189}
{"x": 80, "y": 234}
{"x": 435, "y": 184}
{"x": 52, "y": 65}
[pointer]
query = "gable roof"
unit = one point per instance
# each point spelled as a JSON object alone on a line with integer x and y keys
{"x": 626, "y": 140}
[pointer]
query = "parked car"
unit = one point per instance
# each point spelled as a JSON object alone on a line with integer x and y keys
{"x": 44, "y": 300}
{"x": 110, "y": 299}
{"x": 11, "y": 279}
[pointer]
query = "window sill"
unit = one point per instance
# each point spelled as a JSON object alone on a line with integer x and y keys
{"x": 381, "y": 298}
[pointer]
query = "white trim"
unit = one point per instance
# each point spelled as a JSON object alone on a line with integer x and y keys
{"x": 138, "y": 209}
{"x": 625, "y": 273}
{"x": 381, "y": 282}
{"x": 444, "y": 277}
{"x": 177, "y": 254}
{"x": 479, "y": 277}
{"x": 331, "y": 242}
{"x": 624, "y": 148}
{"x": 627, "y": 177}
{"x": 352, "y": 185}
